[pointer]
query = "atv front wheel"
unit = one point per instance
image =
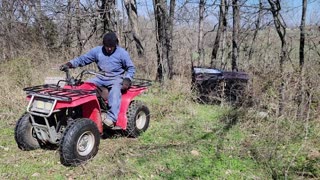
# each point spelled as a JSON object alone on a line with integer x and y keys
{"x": 138, "y": 116}
{"x": 25, "y": 135}
{"x": 80, "y": 142}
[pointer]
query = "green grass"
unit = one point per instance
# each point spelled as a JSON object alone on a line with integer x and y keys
{"x": 190, "y": 142}
{"x": 185, "y": 140}
{"x": 186, "y": 150}
{"x": 180, "y": 143}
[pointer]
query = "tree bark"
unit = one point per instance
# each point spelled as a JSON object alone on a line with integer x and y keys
{"x": 169, "y": 39}
{"x": 302, "y": 34}
{"x": 68, "y": 36}
{"x": 131, "y": 7}
{"x": 164, "y": 35}
{"x": 235, "y": 35}
{"x": 160, "y": 17}
{"x": 107, "y": 15}
{"x": 200, "y": 32}
{"x": 301, "y": 95}
{"x": 281, "y": 30}
{"x": 8, "y": 7}
{"x": 255, "y": 34}
{"x": 39, "y": 20}
{"x": 220, "y": 32}
{"x": 78, "y": 28}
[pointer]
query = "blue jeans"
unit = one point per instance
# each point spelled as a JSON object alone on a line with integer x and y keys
{"x": 114, "y": 96}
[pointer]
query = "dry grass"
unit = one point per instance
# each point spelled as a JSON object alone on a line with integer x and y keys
{"x": 280, "y": 147}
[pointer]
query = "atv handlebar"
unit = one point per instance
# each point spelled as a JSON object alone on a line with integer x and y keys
{"x": 75, "y": 81}
{"x": 84, "y": 72}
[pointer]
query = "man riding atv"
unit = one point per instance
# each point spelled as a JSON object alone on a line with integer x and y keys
{"x": 118, "y": 70}
{"x": 71, "y": 116}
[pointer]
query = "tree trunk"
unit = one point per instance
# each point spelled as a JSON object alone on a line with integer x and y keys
{"x": 106, "y": 10}
{"x": 39, "y": 20}
{"x": 78, "y": 28}
{"x": 235, "y": 35}
{"x": 68, "y": 36}
{"x": 200, "y": 32}
{"x": 160, "y": 18}
{"x": 281, "y": 30}
{"x": 164, "y": 35}
{"x": 7, "y": 48}
{"x": 255, "y": 34}
{"x": 301, "y": 95}
{"x": 131, "y": 7}
{"x": 224, "y": 35}
{"x": 302, "y": 34}
{"x": 220, "y": 32}
{"x": 169, "y": 39}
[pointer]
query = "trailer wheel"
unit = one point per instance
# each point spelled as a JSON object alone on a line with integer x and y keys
{"x": 80, "y": 142}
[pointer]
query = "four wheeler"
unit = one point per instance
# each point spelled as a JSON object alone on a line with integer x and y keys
{"x": 69, "y": 117}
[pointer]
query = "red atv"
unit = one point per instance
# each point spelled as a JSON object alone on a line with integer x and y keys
{"x": 70, "y": 117}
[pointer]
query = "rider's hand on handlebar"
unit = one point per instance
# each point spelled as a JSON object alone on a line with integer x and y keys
{"x": 65, "y": 67}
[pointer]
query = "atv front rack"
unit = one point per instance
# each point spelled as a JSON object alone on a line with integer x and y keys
{"x": 43, "y": 98}
{"x": 52, "y": 91}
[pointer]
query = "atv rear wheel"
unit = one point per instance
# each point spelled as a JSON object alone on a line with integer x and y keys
{"x": 25, "y": 135}
{"x": 138, "y": 115}
{"x": 80, "y": 142}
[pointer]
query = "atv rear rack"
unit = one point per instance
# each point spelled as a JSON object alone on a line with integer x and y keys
{"x": 141, "y": 82}
{"x": 53, "y": 91}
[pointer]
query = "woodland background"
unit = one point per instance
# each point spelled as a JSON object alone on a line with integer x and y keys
{"x": 165, "y": 38}
{"x": 276, "y": 42}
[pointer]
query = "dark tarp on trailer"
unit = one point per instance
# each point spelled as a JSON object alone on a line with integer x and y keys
{"x": 214, "y": 85}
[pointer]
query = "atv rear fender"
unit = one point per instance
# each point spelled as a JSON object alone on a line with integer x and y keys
{"x": 126, "y": 99}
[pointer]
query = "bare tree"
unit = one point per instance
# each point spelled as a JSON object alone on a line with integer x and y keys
{"x": 67, "y": 38}
{"x": 200, "y": 31}
{"x": 160, "y": 17}
{"x": 107, "y": 14}
{"x": 301, "y": 95}
{"x": 302, "y": 34}
{"x": 36, "y": 5}
{"x": 131, "y": 7}
{"x": 78, "y": 28}
{"x": 220, "y": 32}
{"x": 7, "y": 11}
{"x": 164, "y": 35}
{"x": 280, "y": 26}
{"x": 72, "y": 32}
{"x": 169, "y": 38}
{"x": 257, "y": 28}
{"x": 235, "y": 35}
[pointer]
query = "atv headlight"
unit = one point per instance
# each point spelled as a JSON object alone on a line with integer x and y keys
{"x": 38, "y": 104}
{"x": 42, "y": 105}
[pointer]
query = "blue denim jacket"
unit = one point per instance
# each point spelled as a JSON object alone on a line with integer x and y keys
{"x": 116, "y": 65}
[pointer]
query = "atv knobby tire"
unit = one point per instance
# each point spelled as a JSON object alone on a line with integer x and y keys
{"x": 138, "y": 116}
{"x": 24, "y": 134}
{"x": 80, "y": 142}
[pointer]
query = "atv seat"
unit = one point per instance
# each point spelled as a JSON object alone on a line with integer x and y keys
{"x": 102, "y": 92}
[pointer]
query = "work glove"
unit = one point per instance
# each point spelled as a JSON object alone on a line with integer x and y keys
{"x": 126, "y": 84}
{"x": 65, "y": 67}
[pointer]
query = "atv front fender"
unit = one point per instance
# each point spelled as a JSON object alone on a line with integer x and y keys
{"x": 90, "y": 108}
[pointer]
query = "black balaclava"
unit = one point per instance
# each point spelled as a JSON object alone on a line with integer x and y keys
{"x": 109, "y": 40}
